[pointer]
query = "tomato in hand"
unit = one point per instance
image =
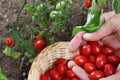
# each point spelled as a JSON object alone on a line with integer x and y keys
{"x": 92, "y": 59}
{"x": 10, "y": 42}
{"x": 86, "y": 50}
{"x": 74, "y": 78}
{"x": 101, "y": 60}
{"x": 89, "y": 67}
{"x": 108, "y": 50}
{"x": 54, "y": 74}
{"x": 88, "y": 3}
{"x": 80, "y": 60}
{"x": 44, "y": 77}
{"x": 96, "y": 75}
{"x": 69, "y": 73}
{"x": 109, "y": 69}
{"x": 96, "y": 48}
{"x": 114, "y": 60}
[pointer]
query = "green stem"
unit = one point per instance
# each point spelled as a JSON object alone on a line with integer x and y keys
{"x": 20, "y": 10}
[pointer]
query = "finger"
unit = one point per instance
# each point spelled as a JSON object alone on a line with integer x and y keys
{"x": 71, "y": 63}
{"x": 76, "y": 42}
{"x": 112, "y": 77}
{"x": 108, "y": 15}
{"x": 80, "y": 72}
{"x": 105, "y": 30}
{"x": 118, "y": 68}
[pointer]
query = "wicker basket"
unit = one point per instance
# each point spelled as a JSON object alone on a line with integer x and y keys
{"x": 47, "y": 57}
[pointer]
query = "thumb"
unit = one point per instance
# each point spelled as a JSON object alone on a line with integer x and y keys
{"x": 105, "y": 30}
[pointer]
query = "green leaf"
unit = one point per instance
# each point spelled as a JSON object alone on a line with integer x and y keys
{"x": 94, "y": 20}
{"x": 116, "y": 6}
{"x": 2, "y": 76}
{"x": 102, "y": 2}
{"x": 10, "y": 52}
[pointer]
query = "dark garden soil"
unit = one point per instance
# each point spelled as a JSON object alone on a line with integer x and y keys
{"x": 8, "y": 12}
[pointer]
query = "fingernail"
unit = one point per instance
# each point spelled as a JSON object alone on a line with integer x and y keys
{"x": 86, "y": 35}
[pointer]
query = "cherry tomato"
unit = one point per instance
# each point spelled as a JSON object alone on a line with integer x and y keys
{"x": 93, "y": 43}
{"x": 66, "y": 78}
{"x": 80, "y": 60}
{"x": 86, "y": 50}
{"x": 61, "y": 5}
{"x": 108, "y": 50}
{"x": 44, "y": 77}
{"x": 101, "y": 60}
{"x": 88, "y": 3}
{"x": 54, "y": 74}
{"x": 61, "y": 69}
{"x": 61, "y": 61}
{"x": 89, "y": 67}
{"x": 114, "y": 60}
{"x": 96, "y": 75}
{"x": 10, "y": 42}
{"x": 41, "y": 7}
{"x": 96, "y": 48}
{"x": 69, "y": 73}
{"x": 74, "y": 78}
{"x": 109, "y": 69}
{"x": 92, "y": 59}
{"x": 39, "y": 44}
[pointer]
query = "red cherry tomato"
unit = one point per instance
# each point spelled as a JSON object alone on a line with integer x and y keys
{"x": 108, "y": 50}
{"x": 93, "y": 43}
{"x": 80, "y": 60}
{"x": 101, "y": 60}
{"x": 61, "y": 69}
{"x": 92, "y": 59}
{"x": 75, "y": 78}
{"x": 86, "y": 50}
{"x": 54, "y": 74}
{"x": 114, "y": 60}
{"x": 88, "y": 3}
{"x": 69, "y": 73}
{"x": 66, "y": 78}
{"x": 109, "y": 69}
{"x": 96, "y": 48}
{"x": 61, "y": 61}
{"x": 96, "y": 75}
{"x": 10, "y": 42}
{"x": 39, "y": 44}
{"x": 89, "y": 67}
{"x": 44, "y": 77}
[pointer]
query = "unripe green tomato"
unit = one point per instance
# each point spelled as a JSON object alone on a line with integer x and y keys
{"x": 35, "y": 17}
{"x": 30, "y": 10}
{"x": 41, "y": 7}
{"x": 54, "y": 14}
{"x": 70, "y": 1}
{"x": 61, "y": 5}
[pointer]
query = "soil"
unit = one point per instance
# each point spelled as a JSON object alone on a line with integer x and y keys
{"x": 8, "y": 13}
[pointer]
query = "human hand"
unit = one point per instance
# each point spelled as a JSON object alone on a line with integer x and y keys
{"x": 109, "y": 34}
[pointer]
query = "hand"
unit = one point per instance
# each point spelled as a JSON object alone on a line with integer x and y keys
{"x": 109, "y": 34}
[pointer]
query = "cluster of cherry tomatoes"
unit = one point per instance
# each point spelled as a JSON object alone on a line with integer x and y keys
{"x": 59, "y": 71}
{"x": 98, "y": 61}
{"x": 39, "y": 43}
